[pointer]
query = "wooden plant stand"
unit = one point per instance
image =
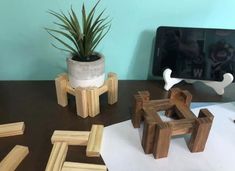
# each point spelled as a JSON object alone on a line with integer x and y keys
{"x": 157, "y": 133}
{"x": 87, "y": 99}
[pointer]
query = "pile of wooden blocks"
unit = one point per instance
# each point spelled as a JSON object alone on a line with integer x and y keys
{"x": 157, "y": 133}
{"x": 18, "y": 153}
{"x": 62, "y": 139}
{"x": 87, "y": 99}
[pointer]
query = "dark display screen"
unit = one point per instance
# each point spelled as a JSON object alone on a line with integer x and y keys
{"x": 194, "y": 53}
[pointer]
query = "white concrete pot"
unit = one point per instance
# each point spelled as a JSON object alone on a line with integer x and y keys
{"x": 86, "y": 74}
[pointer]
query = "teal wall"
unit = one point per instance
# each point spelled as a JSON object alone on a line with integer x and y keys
{"x": 26, "y": 53}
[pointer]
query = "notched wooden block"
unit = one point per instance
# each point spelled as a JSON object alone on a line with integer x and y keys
{"x": 94, "y": 141}
{"x": 14, "y": 158}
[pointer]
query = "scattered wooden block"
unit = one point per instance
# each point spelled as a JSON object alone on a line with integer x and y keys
{"x": 157, "y": 133}
{"x": 61, "y": 92}
{"x": 57, "y": 156}
{"x": 14, "y": 158}
{"x": 87, "y": 99}
{"x": 72, "y": 166}
{"x": 12, "y": 129}
{"x": 94, "y": 141}
{"x": 112, "y": 88}
{"x": 71, "y": 137}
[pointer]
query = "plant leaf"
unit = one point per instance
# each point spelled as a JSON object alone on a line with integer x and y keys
{"x": 62, "y": 42}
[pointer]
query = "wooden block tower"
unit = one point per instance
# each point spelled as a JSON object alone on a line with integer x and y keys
{"x": 157, "y": 133}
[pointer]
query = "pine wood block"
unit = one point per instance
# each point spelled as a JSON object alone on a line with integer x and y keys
{"x": 81, "y": 102}
{"x": 112, "y": 88}
{"x": 93, "y": 102}
{"x": 14, "y": 158}
{"x": 71, "y": 137}
{"x": 94, "y": 141}
{"x": 12, "y": 129}
{"x": 162, "y": 140}
{"x": 61, "y": 89}
{"x": 72, "y": 166}
{"x": 57, "y": 156}
{"x": 200, "y": 134}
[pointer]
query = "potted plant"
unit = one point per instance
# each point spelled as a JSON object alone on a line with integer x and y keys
{"x": 85, "y": 65}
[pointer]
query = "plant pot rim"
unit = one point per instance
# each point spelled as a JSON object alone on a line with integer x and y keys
{"x": 95, "y": 61}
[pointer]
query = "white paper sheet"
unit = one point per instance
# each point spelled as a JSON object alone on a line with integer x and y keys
{"x": 122, "y": 150}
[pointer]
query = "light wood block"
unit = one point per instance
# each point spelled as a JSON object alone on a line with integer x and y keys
{"x": 12, "y": 129}
{"x": 87, "y": 99}
{"x": 61, "y": 89}
{"x": 72, "y": 166}
{"x": 14, "y": 158}
{"x": 71, "y": 137}
{"x": 112, "y": 88}
{"x": 57, "y": 156}
{"x": 94, "y": 141}
{"x": 93, "y": 101}
{"x": 81, "y": 102}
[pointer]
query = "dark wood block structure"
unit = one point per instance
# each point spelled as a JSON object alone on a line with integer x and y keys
{"x": 157, "y": 133}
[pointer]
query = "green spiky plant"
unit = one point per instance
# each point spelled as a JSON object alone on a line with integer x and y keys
{"x": 84, "y": 36}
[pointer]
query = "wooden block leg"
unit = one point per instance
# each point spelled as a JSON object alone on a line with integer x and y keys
{"x": 81, "y": 102}
{"x": 14, "y": 158}
{"x": 93, "y": 101}
{"x": 162, "y": 140}
{"x": 148, "y": 137}
{"x": 94, "y": 141}
{"x": 61, "y": 92}
{"x": 136, "y": 116}
{"x": 200, "y": 134}
{"x": 112, "y": 88}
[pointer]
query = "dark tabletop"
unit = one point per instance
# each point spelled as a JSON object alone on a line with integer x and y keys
{"x": 35, "y": 103}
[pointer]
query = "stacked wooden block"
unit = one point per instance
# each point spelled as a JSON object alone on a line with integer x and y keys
{"x": 87, "y": 99}
{"x": 157, "y": 133}
{"x": 62, "y": 139}
{"x": 18, "y": 153}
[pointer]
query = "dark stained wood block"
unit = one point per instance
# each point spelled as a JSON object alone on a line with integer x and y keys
{"x": 157, "y": 133}
{"x": 200, "y": 134}
{"x": 162, "y": 140}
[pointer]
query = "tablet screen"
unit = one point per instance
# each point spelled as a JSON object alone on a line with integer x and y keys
{"x": 194, "y": 53}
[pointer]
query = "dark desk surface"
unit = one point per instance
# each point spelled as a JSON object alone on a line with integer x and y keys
{"x": 34, "y": 102}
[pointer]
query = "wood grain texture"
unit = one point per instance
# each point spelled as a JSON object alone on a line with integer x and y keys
{"x": 72, "y": 166}
{"x": 112, "y": 88}
{"x": 14, "y": 158}
{"x": 162, "y": 140}
{"x": 71, "y": 137}
{"x": 93, "y": 101}
{"x": 137, "y": 112}
{"x": 200, "y": 134}
{"x": 57, "y": 156}
{"x": 12, "y": 129}
{"x": 61, "y": 89}
{"x": 81, "y": 102}
{"x": 95, "y": 141}
{"x": 148, "y": 136}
